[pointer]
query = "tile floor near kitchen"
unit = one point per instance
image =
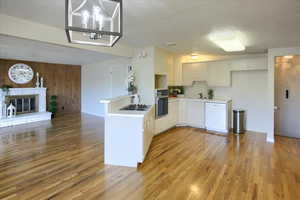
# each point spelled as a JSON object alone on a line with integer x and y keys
{"x": 63, "y": 159}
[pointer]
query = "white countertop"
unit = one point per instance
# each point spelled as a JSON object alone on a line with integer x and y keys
{"x": 172, "y": 99}
{"x": 114, "y": 99}
{"x": 129, "y": 113}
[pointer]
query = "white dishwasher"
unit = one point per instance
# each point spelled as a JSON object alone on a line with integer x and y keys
{"x": 216, "y": 117}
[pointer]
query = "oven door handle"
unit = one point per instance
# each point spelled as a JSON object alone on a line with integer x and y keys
{"x": 162, "y": 97}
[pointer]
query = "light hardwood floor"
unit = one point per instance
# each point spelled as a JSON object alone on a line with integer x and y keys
{"x": 64, "y": 160}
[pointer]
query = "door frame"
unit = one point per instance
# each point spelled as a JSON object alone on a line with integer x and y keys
{"x": 272, "y": 54}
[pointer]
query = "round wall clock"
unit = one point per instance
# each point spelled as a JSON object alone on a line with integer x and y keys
{"x": 20, "y": 73}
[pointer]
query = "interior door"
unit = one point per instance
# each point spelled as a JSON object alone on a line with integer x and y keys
{"x": 287, "y": 97}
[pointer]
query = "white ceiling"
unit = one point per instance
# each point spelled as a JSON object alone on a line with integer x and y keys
{"x": 264, "y": 23}
{"x": 20, "y": 49}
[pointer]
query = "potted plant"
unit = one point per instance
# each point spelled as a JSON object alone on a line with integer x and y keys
{"x": 210, "y": 94}
{"x": 5, "y": 88}
{"x": 131, "y": 89}
{"x": 53, "y": 105}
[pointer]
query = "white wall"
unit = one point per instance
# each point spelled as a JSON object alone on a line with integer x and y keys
{"x": 249, "y": 91}
{"x": 194, "y": 90}
{"x": 100, "y": 81}
{"x": 144, "y": 69}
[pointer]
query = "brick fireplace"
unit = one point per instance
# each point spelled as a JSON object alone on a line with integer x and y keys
{"x": 29, "y": 102}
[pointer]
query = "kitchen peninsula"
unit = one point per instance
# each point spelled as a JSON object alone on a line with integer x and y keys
{"x": 128, "y": 131}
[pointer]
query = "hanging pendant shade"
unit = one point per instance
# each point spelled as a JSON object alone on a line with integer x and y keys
{"x": 94, "y": 22}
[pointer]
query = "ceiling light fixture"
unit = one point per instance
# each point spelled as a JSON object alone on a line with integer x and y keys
{"x": 228, "y": 41}
{"x": 289, "y": 57}
{"x": 94, "y": 22}
{"x": 194, "y": 56}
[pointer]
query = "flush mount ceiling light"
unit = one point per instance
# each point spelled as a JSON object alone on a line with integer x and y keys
{"x": 94, "y": 22}
{"x": 289, "y": 57}
{"x": 228, "y": 41}
{"x": 194, "y": 56}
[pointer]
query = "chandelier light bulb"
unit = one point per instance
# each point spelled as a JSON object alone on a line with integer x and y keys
{"x": 85, "y": 18}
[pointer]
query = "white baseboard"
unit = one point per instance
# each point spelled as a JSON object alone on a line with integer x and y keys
{"x": 95, "y": 114}
{"x": 270, "y": 139}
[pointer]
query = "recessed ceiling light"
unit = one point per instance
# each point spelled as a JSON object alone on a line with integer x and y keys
{"x": 194, "y": 56}
{"x": 228, "y": 41}
{"x": 289, "y": 57}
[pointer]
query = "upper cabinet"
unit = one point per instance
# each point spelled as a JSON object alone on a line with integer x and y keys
{"x": 193, "y": 72}
{"x": 175, "y": 74}
{"x": 162, "y": 61}
{"x": 219, "y": 74}
{"x": 164, "y": 64}
{"x": 258, "y": 63}
{"x": 215, "y": 73}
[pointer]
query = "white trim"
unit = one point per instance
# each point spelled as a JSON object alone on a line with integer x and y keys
{"x": 270, "y": 140}
{"x": 272, "y": 54}
{"x": 95, "y": 114}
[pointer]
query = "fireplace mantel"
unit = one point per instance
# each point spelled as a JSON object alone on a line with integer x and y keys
{"x": 41, "y": 108}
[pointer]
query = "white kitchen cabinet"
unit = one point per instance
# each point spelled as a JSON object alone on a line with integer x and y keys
{"x": 217, "y": 117}
{"x": 162, "y": 61}
{"x": 182, "y": 119}
{"x": 195, "y": 113}
{"x": 177, "y": 71}
{"x": 130, "y": 148}
{"x": 170, "y": 71}
{"x": 173, "y": 113}
{"x": 193, "y": 72}
{"x": 260, "y": 63}
{"x": 166, "y": 122}
{"x": 149, "y": 132}
{"x": 219, "y": 74}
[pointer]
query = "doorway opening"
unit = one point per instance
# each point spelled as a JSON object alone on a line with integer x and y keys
{"x": 287, "y": 96}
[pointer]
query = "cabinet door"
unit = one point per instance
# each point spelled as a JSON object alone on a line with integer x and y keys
{"x": 149, "y": 127}
{"x": 219, "y": 74}
{"x": 173, "y": 113}
{"x": 195, "y": 113}
{"x": 215, "y": 116}
{"x": 177, "y": 71}
{"x": 170, "y": 75}
{"x": 182, "y": 112}
{"x": 193, "y": 72}
{"x": 260, "y": 63}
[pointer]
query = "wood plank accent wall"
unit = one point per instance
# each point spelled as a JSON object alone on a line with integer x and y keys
{"x": 61, "y": 80}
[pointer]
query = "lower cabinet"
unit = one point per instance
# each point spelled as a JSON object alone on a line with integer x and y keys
{"x": 191, "y": 113}
{"x": 173, "y": 113}
{"x": 182, "y": 112}
{"x": 149, "y": 131}
{"x": 195, "y": 113}
{"x": 164, "y": 123}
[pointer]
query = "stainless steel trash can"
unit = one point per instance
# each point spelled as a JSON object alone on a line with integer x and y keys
{"x": 239, "y": 121}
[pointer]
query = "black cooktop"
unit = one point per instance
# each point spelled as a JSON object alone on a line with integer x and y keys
{"x": 136, "y": 107}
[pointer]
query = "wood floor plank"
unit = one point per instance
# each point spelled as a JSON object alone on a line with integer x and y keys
{"x": 63, "y": 159}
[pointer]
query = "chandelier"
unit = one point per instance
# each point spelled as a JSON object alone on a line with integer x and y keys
{"x": 94, "y": 22}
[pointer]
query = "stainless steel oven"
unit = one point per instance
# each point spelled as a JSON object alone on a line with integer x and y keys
{"x": 161, "y": 102}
